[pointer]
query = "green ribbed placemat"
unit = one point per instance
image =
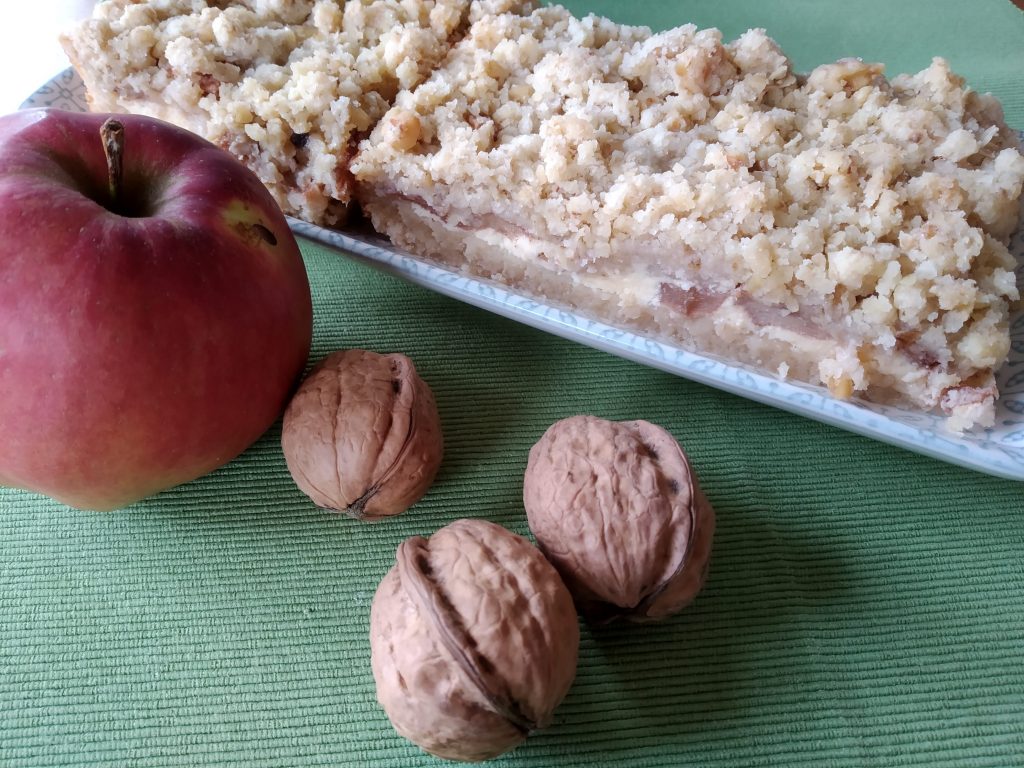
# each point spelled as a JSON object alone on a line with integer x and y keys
{"x": 865, "y": 605}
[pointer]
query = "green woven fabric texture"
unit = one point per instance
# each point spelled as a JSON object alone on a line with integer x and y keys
{"x": 865, "y": 605}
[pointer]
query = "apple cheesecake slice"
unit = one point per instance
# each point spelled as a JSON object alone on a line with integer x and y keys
{"x": 287, "y": 86}
{"x": 839, "y": 228}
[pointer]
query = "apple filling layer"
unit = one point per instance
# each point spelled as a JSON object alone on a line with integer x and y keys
{"x": 809, "y": 344}
{"x": 836, "y": 227}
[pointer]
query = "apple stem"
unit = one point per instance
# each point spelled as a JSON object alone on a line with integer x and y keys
{"x": 112, "y": 134}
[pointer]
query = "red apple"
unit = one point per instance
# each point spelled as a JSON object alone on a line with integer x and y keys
{"x": 153, "y": 320}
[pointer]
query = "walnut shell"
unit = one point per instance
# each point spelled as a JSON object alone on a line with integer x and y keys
{"x": 617, "y": 510}
{"x": 473, "y": 640}
{"x": 362, "y": 434}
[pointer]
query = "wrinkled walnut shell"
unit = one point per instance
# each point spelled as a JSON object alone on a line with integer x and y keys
{"x": 362, "y": 435}
{"x": 473, "y": 640}
{"x": 617, "y": 510}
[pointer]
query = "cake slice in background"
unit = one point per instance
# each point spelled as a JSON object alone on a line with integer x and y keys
{"x": 288, "y": 86}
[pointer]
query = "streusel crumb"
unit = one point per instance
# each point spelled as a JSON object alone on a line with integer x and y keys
{"x": 851, "y": 227}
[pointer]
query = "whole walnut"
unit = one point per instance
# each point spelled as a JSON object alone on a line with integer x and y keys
{"x": 617, "y": 510}
{"x": 473, "y": 640}
{"x": 362, "y": 434}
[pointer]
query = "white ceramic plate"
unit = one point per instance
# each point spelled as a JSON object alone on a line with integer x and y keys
{"x": 998, "y": 451}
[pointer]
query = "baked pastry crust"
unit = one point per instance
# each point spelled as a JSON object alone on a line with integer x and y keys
{"x": 836, "y": 227}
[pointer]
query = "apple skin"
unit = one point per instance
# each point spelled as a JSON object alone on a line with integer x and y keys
{"x": 138, "y": 351}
